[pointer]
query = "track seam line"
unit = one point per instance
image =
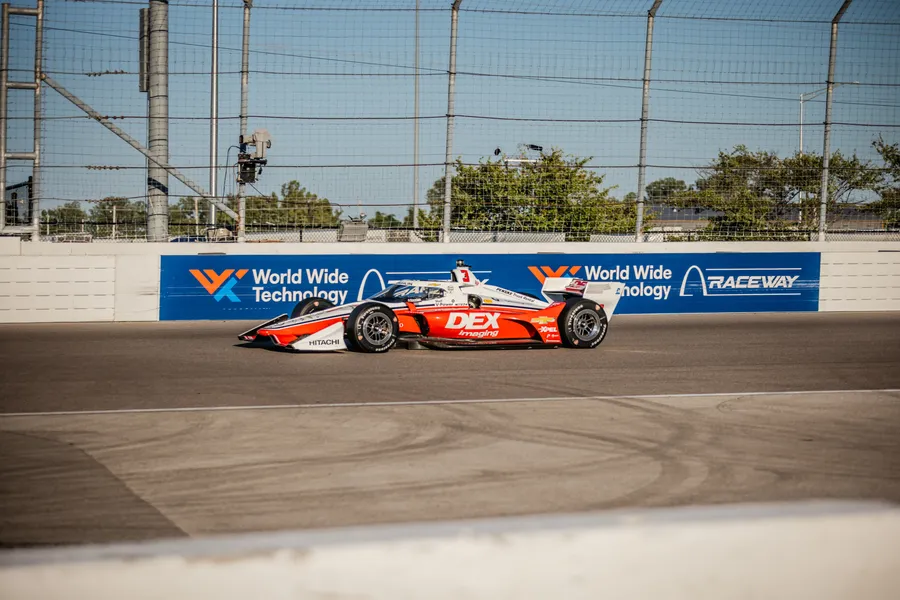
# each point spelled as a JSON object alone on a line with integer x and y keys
{"x": 121, "y": 411}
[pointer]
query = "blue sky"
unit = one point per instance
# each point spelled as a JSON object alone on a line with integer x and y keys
{"x": 335, "y": 88}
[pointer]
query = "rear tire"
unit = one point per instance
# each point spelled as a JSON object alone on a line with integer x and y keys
{"x": 583, "y": 324}
{"x": 372, "y": 327}
{"x": 310, "y": 305}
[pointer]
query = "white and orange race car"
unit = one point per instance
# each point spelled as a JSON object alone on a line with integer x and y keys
{"x": 460, "y": 312}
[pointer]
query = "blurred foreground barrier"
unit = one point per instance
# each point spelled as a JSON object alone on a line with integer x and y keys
{"x": 819, "y": 551}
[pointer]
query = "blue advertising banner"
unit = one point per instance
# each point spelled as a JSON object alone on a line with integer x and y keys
{"x": 252, "y": 287}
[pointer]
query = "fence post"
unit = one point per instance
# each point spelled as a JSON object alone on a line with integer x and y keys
{"x": 158, "y": 144}
{"x": 826, "y": 144}
{"x": 214, "y": 114}
{"x": 645, "y": 111}
{"x": 451, "y": 83}
{"x": 6, "y": 85}
{"x": 35, "y": 193}
{"x": 415, "y": 211}
{"x": 4, "y": 74}
{"x": 245, "y": 91}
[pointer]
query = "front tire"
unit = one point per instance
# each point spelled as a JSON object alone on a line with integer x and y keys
{"x": 372, "y": 327}
{"x": 310, "y": 305}
{"x": 583, "y": 324}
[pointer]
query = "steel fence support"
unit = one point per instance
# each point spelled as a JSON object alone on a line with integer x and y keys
{"x": 35, "y": 195}
{"x": 158, "y": 144}
{"x": 4, "y": 76}
{"x": 214, "y": 113}
{"x": 245, "y": 90}
{"x": 158, "y": 165}
{"x": 451, "y": 84}
{"x": 144, "y": 78}
{"x": 645, "y": 112}
{"x": 415, "y": 211}
{"x": 826, "y": 143}
{"x": 33, "y": 227}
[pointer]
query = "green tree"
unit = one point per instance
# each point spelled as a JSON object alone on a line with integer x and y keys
{"x": 756, "y": 192}
{"x": 295, "y": 207}
{"x": 803, "y": 182}
{"x": 553, "y": 193}
{"x": 888, "y": 205}
{"x": 67, "y": 218}
{"x": 118, "y": 217}
{"x": 385, "y": 221}
{"x": 190, "y": 215}
{"x": 408, "y": 219}
{"x": 659, "y": 191}
{"x": 299, "y": 207}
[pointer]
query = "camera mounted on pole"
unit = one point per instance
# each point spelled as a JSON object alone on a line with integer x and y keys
{"x": 250, "y": 164}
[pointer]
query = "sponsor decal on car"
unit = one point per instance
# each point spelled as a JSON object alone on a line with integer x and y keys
{"x": 543, "y": 320}
{"x": 577, "y": 285}
{"x": 478, "y": 321}
{"x": 480, "y": 334}
{"x": 516, "y": 295}
{"x": 475, "y": 324}
{"x": 331, "y": 342}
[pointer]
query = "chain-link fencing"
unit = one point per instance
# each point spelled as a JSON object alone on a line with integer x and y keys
{"x": 567, "y": 120}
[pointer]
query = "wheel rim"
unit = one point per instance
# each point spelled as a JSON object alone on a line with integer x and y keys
{"x": 587, "y": 325}
{"x": 377, "y": 329}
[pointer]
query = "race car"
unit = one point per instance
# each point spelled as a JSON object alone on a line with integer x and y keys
{"x": 461, "y": 311}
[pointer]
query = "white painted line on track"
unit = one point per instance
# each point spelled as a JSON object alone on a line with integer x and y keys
{"x": 137, "y": 411}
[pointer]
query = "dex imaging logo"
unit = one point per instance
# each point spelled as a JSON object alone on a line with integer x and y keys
{"x": 772, "y": 281}
{"x": 219, "y": 285}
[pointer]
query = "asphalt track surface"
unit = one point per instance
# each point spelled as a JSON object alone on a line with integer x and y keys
{"x": 134, "y": 431}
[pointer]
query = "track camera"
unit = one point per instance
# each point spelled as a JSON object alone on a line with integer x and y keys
{"x": 250, "y": 165}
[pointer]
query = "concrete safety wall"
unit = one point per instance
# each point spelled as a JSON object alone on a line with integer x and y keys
{"x": 860, "y": 281}
{"x": 45, "y": 282}
{"x": 826, "y": 551}
{"x": 63, "y": 288}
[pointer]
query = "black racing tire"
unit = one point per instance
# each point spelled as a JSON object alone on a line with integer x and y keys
{"x": 372, "y": 327}
{"x": 310, "y": 305}
{"x": 582, "y": 324}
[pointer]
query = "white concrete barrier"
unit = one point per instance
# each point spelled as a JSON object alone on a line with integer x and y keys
{"x": 137, "y": 287}
{"x": 830, "y": 551}
{"x": 57, "y": 288}
{"x": 860, "y": 281}
{"x": 54, "y": 282}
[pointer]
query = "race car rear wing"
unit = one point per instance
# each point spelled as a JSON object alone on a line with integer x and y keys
{"x": 463, "y": 274}
{"x": 605, "y": 293}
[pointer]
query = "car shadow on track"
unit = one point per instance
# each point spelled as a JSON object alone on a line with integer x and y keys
{"x": 266, "y": 346}
{"x": 403, "y": 346}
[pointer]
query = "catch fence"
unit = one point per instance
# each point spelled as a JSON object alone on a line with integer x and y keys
{"x": 567, "y": 120}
